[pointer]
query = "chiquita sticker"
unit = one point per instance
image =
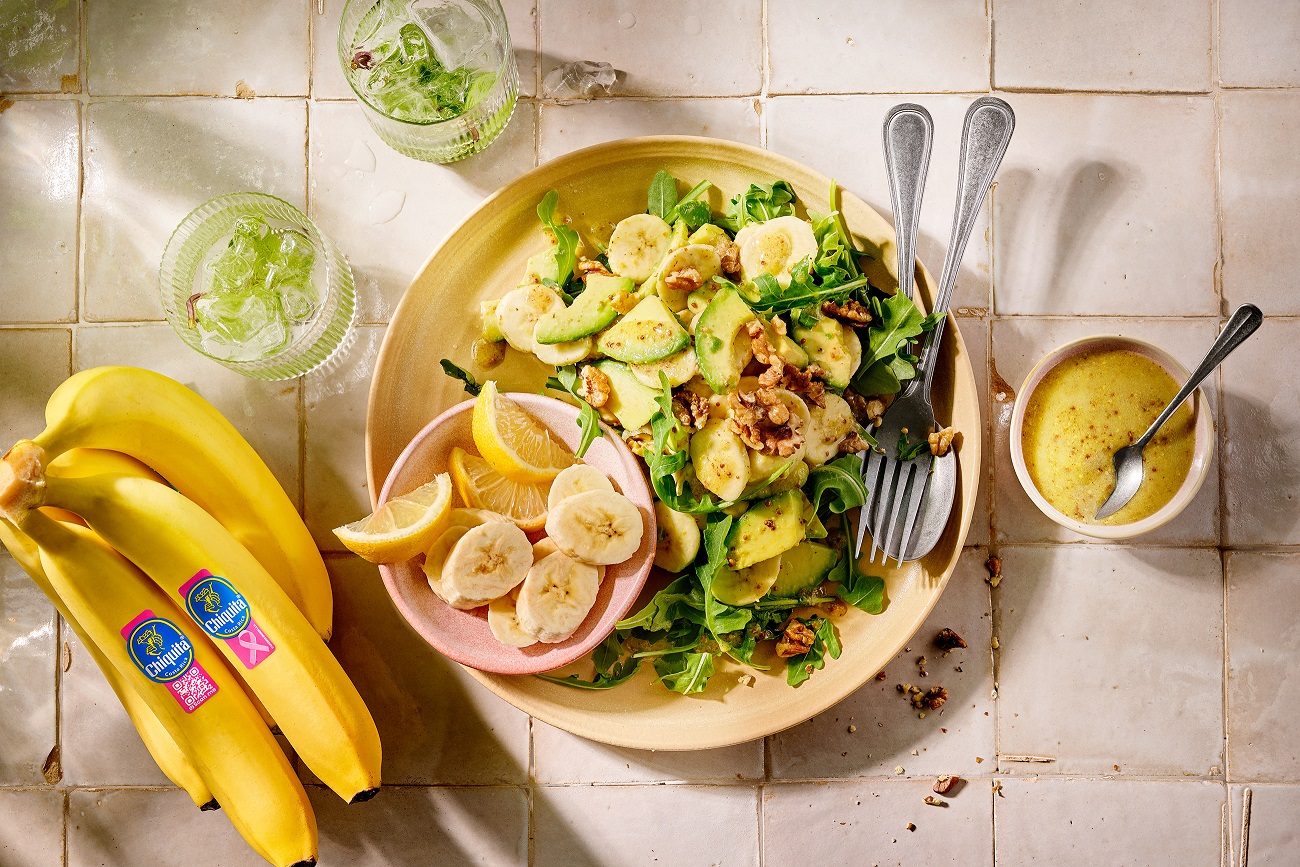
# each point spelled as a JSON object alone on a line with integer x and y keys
{"x": 223, "y": 612}
{"x": 164, "y": 655}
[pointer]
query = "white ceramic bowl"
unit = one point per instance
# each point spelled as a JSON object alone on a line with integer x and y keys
{"x": 1202, "y": 452}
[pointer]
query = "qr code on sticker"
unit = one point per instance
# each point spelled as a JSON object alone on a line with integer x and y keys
{"x": 193, "y": 688}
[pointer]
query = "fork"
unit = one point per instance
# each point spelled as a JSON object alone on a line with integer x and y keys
{"x": 897, "y": 487}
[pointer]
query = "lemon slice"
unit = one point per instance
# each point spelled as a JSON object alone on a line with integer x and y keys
{"x": 517, "y": 445}
{"x": 482, "y": 487}
{"x": 402, "y": 527}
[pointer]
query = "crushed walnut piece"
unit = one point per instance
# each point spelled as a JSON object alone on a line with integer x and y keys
{"x": 934, "y": 698}
{"x": 853, "y": 443}
{"x": 729, "y": 256}
{"x": 947, "y": 640}
{"x": 781, "y": 373}
{"x": 867, "y": 410}
{"x": 935, "y": 802}
{"x": 684, "y": 280}
{"x": 763, "y": 422}
{"x": 941, "y": 441}
{"x": 691, "y": 409}
{"x": 594, "y": 386}
{"x": 945, "y": 784}
{"x": 796, "y": 640}
{"x": 852, "y": 311}
{"x": 591, "y": 266}
{"x": 994, "y": 565}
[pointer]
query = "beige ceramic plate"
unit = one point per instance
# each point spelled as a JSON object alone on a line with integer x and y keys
{"x": 484, "y": 258}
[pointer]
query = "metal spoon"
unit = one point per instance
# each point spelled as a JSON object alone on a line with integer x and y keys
{"x": 1128, "y": 460}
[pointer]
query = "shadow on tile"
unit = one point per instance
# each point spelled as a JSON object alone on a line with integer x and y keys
{"x": 1264, "y": 460}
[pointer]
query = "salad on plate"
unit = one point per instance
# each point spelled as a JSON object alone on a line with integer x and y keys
{"x": 745, "y": 357}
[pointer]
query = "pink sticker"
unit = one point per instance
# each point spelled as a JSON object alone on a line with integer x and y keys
{"x": 224, "y": 613}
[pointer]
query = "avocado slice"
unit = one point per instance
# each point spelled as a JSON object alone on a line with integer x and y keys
{"x": 491, "y": 324}
{"x": 770, "y": 527}
{"x": 803, "y": 567}
{"x": 649, "y": 332}
{"x": 591, "y": 311}
{"x": 828, "y": 348}
{"x": 720, "y": 345}
{"x": 629, "y": 401}
{"x": 745, "y": 586}
{"x": 542, "y": 266}
{"x": 708, "y": 234}
{"x": 786, "y": 347}
{"x": 700, "y": 298}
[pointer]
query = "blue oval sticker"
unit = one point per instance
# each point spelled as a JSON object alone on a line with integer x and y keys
{"x": 217, "y": 606}
{"x": 160, "y": 650}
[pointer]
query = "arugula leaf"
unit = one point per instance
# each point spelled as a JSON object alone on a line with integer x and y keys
{"x": 685, "y": 672}
{"x": 618, "y": 674}
{"x": 825, "y": 643}
{"x": 897, "y": 320}
{"x": 663, "y": 195}
{"x": 758, "y": 204}
{"x": 566, "y": 379}
{"x": 866, "y": 592}
{"x": 882, "y": 377}
{"x": 842, "y": 480}
{"x": 907, "y": 452}
{"x": 472, "y": 386}
{"x": 666, "y": 607}
{"x": 566, "y": 240}
{"x": 695, "y": 214}
{"x": 766, "y": 295}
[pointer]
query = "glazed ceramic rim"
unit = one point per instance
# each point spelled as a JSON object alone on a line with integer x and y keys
{"x": 1202, "y": 452}
{"x": 624, "y": 593}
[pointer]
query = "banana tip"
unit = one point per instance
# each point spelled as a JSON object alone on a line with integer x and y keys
{"x": 363, "y": 796}
{"x": 22, "y": 480}
{"x": 306, "y": 862}
{"x": 210, "y": 806}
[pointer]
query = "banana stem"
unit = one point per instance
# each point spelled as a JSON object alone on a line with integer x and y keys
{"x": 22, "y": 480}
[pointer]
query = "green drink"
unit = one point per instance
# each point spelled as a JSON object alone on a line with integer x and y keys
{"x": 436, "y": 78}
{"x": 250, "y": 282}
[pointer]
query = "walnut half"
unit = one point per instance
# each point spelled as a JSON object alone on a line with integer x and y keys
{"x": 796, "y": 640}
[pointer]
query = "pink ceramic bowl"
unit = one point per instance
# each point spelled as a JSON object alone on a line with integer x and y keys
{"x": 464, "y": 635}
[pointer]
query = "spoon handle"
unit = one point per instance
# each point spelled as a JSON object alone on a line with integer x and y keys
{"x": 984, "y": 139}
{"x": 907, "y": 133}
{"x": 1244, "y": 322}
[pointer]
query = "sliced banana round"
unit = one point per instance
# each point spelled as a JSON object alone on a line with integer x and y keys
{"x": 596, "y": 527}
{"x": 575, "y": 480}
{"x": 503, "y": 620}
{"x": 435, "y": 561}
{"x": 720, "y": 459}
{"x": 701, "y": 258}
{"x": 678, "y": 539}
{"x": 800, "y": 419}
{"x": 473, "y": 517}
{"x": 746, "y": 586}
{"x": 556, "y": 597}
{"x": 546, "y": 546}
{"x": 831, "y": 423}
{"x": 486, "y": 563}
{"x": 561, "y": 354}
{"x": 854, "y": 344}
{"x": 637, "y": 245}
{"x": 775, "y": 247}
{"x": 679, "y": 369}
{"x": 518, "y": 312}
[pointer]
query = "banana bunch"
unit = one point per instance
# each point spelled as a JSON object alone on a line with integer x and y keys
{"x": 178, "y": 560}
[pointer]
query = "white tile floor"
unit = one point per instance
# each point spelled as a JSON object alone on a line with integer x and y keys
{"x": 1151, "y": 186}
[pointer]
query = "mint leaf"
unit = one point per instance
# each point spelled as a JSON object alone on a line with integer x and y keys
{"x": 472, "y": 386}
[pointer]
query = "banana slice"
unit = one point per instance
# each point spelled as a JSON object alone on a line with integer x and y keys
{"x": 435, "y": 561}
{"x": 518, "y": 312}
{"x": 546, "y": 546}
{"x": 596, "y": 527}
{"x": 717, "y": 402}
{"x": 746, "y": 586}
{"x": 703, "y": 258}
{"x": 720, "y": 459}
{"x": 575, "y": 480}
{"x": 468, "y": 518}
{"x": 561, "y": 354}
{"x": 503, "y": 620}
{"x": 557, "y": 596}
{"x": 775, "y": 247}
{"x": 678, "y": 539}
{"x": 679, "y": 369}
{"x": 854, "y": 343}
{"x": 485, "y": 563}
{"x": 638, "y": 244}
{"x": 830, "y": 425}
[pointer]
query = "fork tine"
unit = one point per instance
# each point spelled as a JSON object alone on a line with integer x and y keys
{"x": 909, "y": 493}
{"x": 884, "y": 503}
{"x": 914, "y": 507}
{"x": 897, "y": 501}
{"x": 870, "y": 476}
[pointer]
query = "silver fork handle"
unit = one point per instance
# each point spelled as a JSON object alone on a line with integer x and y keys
{"x": 907, "y": 133}
{"x": 984, "y": 139}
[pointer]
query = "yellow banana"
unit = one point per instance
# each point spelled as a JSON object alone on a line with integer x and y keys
{"x": 227, "y": 592}
{"x": 179, "y": 434}
{"x": 162, "y": 746}
{"x": 185, "y": 682}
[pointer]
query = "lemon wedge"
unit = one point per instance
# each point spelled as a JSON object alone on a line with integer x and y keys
{"x": 517, "y": 445}
{"x": 482, "y": 487}
{"x": 402, "y": 527}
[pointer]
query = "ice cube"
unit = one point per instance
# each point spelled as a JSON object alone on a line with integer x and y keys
{"x": 580, "y": 79}
{"x": 252, "y": 227}
{"x": 294, "y": 251}
{"x": 298, "y": 298}
{"x": 231, "y": 269}
{"x": 458, "y": 33}
{"x": 241, "y": 327}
